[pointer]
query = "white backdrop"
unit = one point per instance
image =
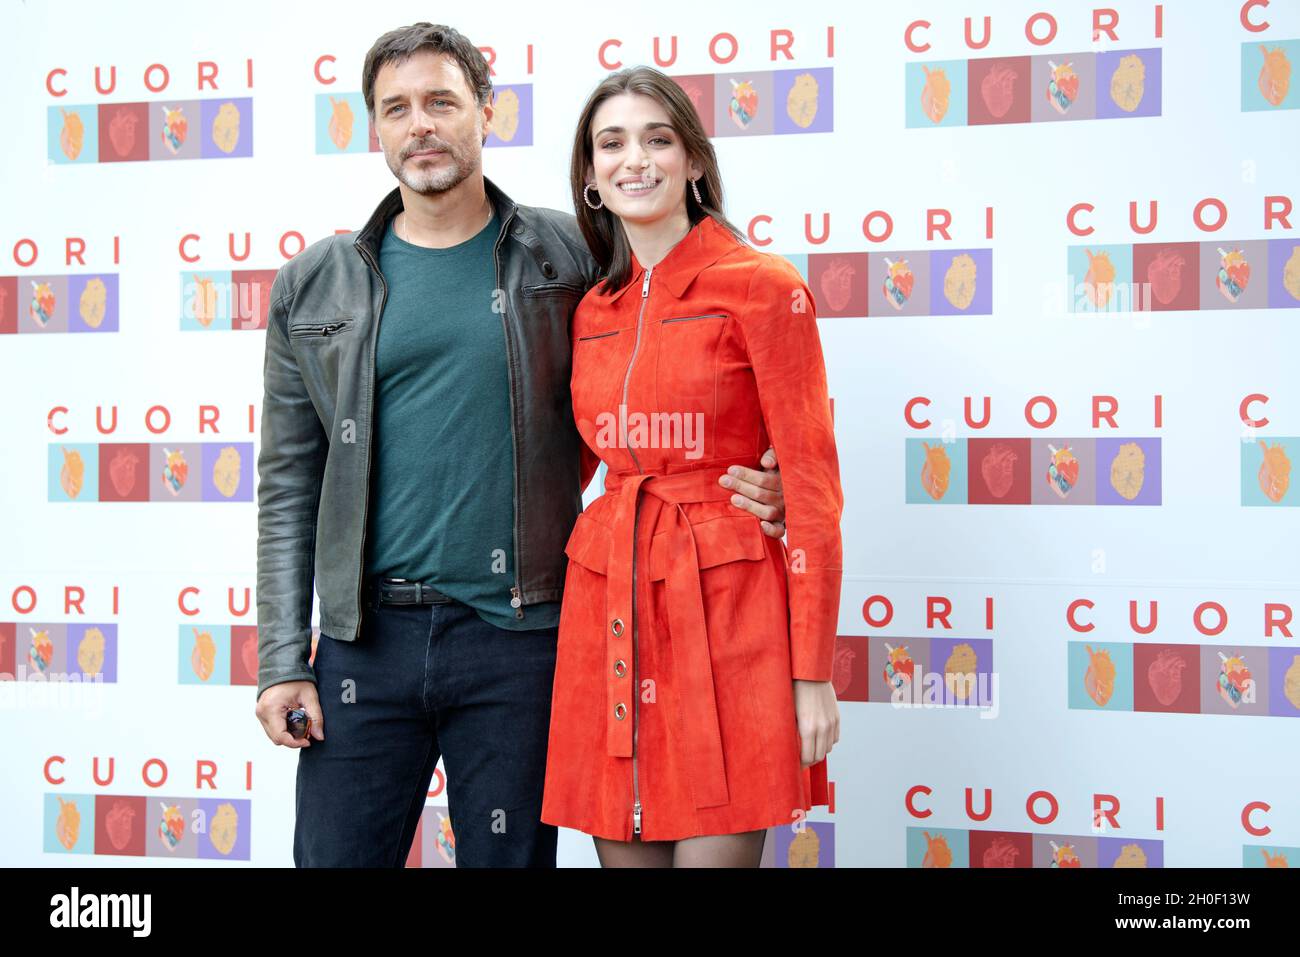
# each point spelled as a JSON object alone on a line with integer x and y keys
{"x": 1189, "y": 783}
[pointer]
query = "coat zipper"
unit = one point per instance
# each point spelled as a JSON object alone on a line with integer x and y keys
{"x": 636, "y": 688}
{"x": 370, "y": 430}
{"x": 516, "y": 592}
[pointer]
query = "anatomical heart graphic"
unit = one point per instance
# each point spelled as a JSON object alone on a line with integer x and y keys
{"x": 1165, "y": 675}
{"x": 1099, "y": 679}
{"x": 1000, "y": 853}
{"x": 999, "y": 471}
{"x": 937, "y": 851}
{"x": 998, "y": 89}
{"x": 1274, "y": 75}
{"x": 123, "y": 132}
{"x": 839, "y": 283}
{"x": 1165, "y": 274}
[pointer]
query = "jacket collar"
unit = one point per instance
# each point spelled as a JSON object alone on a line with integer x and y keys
{"x": 701, "y": 247}
{"x": 371, "y": 235}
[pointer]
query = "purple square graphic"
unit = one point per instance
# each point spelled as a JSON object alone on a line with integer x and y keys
{"x": 1149, "y": 492}
{"x": 234, "y": 468}
{"x": 1108, "y": 63}
{"x": 77, "y": 634}
{"x": 981, "y": 686}
{"x": 523, "y": 134}
{"x": 1111, "y": 849}
{"x": 815, "y": 846}
{"x": 82, "y": 313}
{"x": 1282, "y": 661}
{"x": 229, "y": 821}
{"x": 226, "y": 128}
{"x": 1281, "y": 252}
{"x": 793, "y": 92}
{"x": 942, "y": 261}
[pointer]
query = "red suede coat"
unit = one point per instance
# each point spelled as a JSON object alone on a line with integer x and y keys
{"x": 683, "y": 624}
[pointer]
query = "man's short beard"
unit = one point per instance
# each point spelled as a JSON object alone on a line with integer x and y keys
{"x": 429, "y": 182}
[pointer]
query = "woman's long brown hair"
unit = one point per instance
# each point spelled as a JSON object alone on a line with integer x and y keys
{"x": 601, "y": 228}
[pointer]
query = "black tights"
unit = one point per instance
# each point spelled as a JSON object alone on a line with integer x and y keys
{"x": 717, "y": 850}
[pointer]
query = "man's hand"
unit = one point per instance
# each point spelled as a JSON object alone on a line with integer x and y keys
{"x": 759, "y": 493}
{"x": 278, "y": 700}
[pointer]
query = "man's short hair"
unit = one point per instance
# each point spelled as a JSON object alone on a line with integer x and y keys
{"x": 397, "y": 46}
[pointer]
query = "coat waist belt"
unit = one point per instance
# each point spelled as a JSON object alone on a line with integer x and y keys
{"x": 686, "y": 621}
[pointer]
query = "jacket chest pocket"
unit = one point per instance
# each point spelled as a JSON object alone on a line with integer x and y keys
{"x": 599, "y": 362}
{"x": 320, "y": 331}
{"x": 686, "y": 367}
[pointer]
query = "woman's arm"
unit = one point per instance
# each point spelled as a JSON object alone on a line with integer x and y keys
{"x": 779, "y": 325}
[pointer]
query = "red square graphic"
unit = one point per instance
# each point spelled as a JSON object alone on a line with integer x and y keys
{"x": 243, "y": 655}
{"x": 998, "y": 471}
{"x": 839, "y": 283}
{"x": 849, "y": 670}
{"x": 8, "y": 644}
{"x": 119, "y": 824}
{"x": 997, "y": 90}
{"x": 1001, "y": 849}
{"x": 124, "y": 472}
{"x": 1166, "y": 276}
{"x": 123, "y": 132}
{"x": 699, "y": 89}
{"x": 8, "y": 304}
{"x": 250, "y": 297}
{"x": 1167, "y": 678}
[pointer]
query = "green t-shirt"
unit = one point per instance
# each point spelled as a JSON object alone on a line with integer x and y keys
{"x": 442, "y": 492}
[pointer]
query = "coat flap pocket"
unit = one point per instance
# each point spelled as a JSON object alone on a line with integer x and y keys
{"x": 589, "y": 543}
{"x": 717, "y": 541}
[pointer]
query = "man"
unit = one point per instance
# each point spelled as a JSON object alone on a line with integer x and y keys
{"x": 426, "y": 472}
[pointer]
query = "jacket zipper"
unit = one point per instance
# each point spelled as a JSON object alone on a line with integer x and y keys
{"x": 516, "y": 592}
{"x": 636, "y": 671}
{"x": 370, "y": 430}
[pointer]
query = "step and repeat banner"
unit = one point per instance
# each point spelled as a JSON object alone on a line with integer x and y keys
{"x": 1055, "y": 252}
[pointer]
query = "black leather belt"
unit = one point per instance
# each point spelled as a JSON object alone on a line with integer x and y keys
{"x": 398, "y": 591}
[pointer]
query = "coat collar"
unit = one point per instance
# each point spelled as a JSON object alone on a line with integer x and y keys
{"x": 701, "y": 247}
{"x": 371, "y": 235}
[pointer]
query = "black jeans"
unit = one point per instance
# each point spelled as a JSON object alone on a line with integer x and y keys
{"x": 420, "y": 682}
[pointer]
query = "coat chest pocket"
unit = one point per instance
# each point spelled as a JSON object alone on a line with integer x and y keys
{"x": 687, "y": 363}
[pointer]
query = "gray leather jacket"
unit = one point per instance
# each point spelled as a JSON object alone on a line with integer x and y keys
{"x": 314, "y": 464}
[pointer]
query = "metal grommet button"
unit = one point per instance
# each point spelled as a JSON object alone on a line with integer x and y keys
{"x": 617, "y": 627}
{"x": 620, "y": 711}
{"x": 548, "y": 270}
{"x": 620, "y": 668}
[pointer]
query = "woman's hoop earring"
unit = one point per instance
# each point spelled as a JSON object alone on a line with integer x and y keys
{"x": 586, "y": 199}
{"x": 695, "y": 188}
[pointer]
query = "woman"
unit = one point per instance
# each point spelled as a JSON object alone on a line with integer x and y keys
{"x": 692, "y": 705}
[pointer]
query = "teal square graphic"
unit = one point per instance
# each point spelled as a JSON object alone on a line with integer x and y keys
{"x": 1255, "y": 476}
{"x": 355, "y": 135}
{"x": 916, "y": 76}
{"x": 191, "y": 657}
{"x": 1267, "y": 57}
{"x": 1120, "y": 296}
{"x": 66, "y": 455}
{"x": 61, "y": 117}
{"x": 61, "y": 811}
{"x": 201, "y": 301}
{"x": 922, "y": 839}
{"x": 1121, "y": 655}
{"x": 913, "y": 484}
